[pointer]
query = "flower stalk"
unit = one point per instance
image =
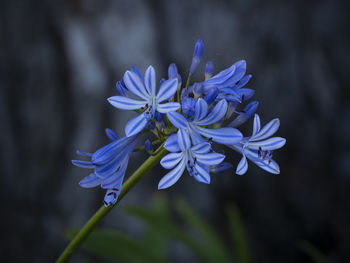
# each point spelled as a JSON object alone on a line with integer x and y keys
{"x": 103, "y": 211}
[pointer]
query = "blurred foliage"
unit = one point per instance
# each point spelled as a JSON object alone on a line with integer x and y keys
{"x": 313, "y": 252}
{"x": 198, "y": 235}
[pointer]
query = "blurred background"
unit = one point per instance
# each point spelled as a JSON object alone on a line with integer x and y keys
{"x": 60, "y": 60}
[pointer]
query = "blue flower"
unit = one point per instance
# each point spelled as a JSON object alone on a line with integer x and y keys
{"x": 245, "y": 115}
{"x": 109, "y": 164}
{"x": 203, "y": 117}
{"x": 197, "y": 159}
{"x": 258, "y": 147}
{"x": 150, "y": 102}
{"x": 230, "y": 82}
{"x": 197, "y": 56}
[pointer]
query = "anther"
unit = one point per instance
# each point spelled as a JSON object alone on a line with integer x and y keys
{"x": 264, "y": 155}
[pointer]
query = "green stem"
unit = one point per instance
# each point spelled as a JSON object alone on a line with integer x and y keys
{"x": 188, "y": 81}
{"x": 103, "y": 211}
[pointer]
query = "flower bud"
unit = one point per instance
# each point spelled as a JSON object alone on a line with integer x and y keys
{"x": 197, "y": 55}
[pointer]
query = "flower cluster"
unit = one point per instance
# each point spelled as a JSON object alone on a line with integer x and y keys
{"x": 188, "y": 121}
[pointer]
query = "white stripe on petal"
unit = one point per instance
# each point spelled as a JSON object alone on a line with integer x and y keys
{"x": 242, "y": 166}
{"x": 171, "y": 159}
{"x": 135, "y": 125}
{"x": 135, "y": 85}
{"x": 177, "y": 119}
{"x": 267, "y": 131}
{"x": 183, "y": 139}
{"x": 126, "y": 103}
{"x": 168, "y": 107}
{"x": 201, "y": 110}
{"x": 173, "y": 176}
{"x": 167, "y": 89}
{"x": 215, "y": 115}
{"x": 150, "y": 81}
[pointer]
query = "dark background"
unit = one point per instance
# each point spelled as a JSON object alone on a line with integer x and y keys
{"x": 59, "y": 61}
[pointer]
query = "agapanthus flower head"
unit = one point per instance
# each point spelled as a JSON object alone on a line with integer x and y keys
{"x": 109, "y": 164}
{"x": 188, "y": 124}
{"x": 150, "y": 102}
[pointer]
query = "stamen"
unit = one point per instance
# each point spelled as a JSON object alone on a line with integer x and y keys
{"x": 106, "y": 204}
{"x": 264, "y": 155}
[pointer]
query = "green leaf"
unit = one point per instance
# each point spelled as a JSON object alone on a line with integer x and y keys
{"x": 154, "y": 239}
{"x": 313, "y": 252}
{"x": 238, "y": 234}
{"x": 115, "y": 246}
{"x": 211, "y": 240}
{"x": 166, "y": 225}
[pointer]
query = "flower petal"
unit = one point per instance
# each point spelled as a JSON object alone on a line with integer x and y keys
{"x": 227, "y": 136}
{"x": 240, "y": 70}
{"x": 125, "y": 103}
{"x": 89, "y": 181}
{"x": 221, "y": 77}
{"x": 83, "y": 164}
{"x": 150, "y": 81}
{"x": 171, "y": 143}
{"x": 135, "y": 85}
{"x": 201, "y": 175}
{"x": 256, "y": 124}
{"x": 201, "y": 148}
{"x": 116, "y": 180}
{"x": 171, "y": 159}
{"x": 242, "y": 82}
{"x": 215, "y": 115}
{"x": 210, "y": 158}
{"x": 108, "y": 152}
{"x": 168, "y": 107}
{"x": 248, "y": 112}
{"x": 269, "y": 144}
{"x": 242, "y": 166}
{"x": 177, "y": 119}
{"x": 183, "y": 139}
{"x": 245, "y": 94}
{"x": 135, "y": 125}
{"x": 83, "y": 153}
{"x": 112, "y": 135}
{"x": 196, "y": 137}
{"x": 167, "y": 89}
{"x": 173, "y": 176}
{"x": 222, "y": 167}
{"x": 271, "y": 167}
{"x": 201, "y": 110}
{"x": 267, "y": 131}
